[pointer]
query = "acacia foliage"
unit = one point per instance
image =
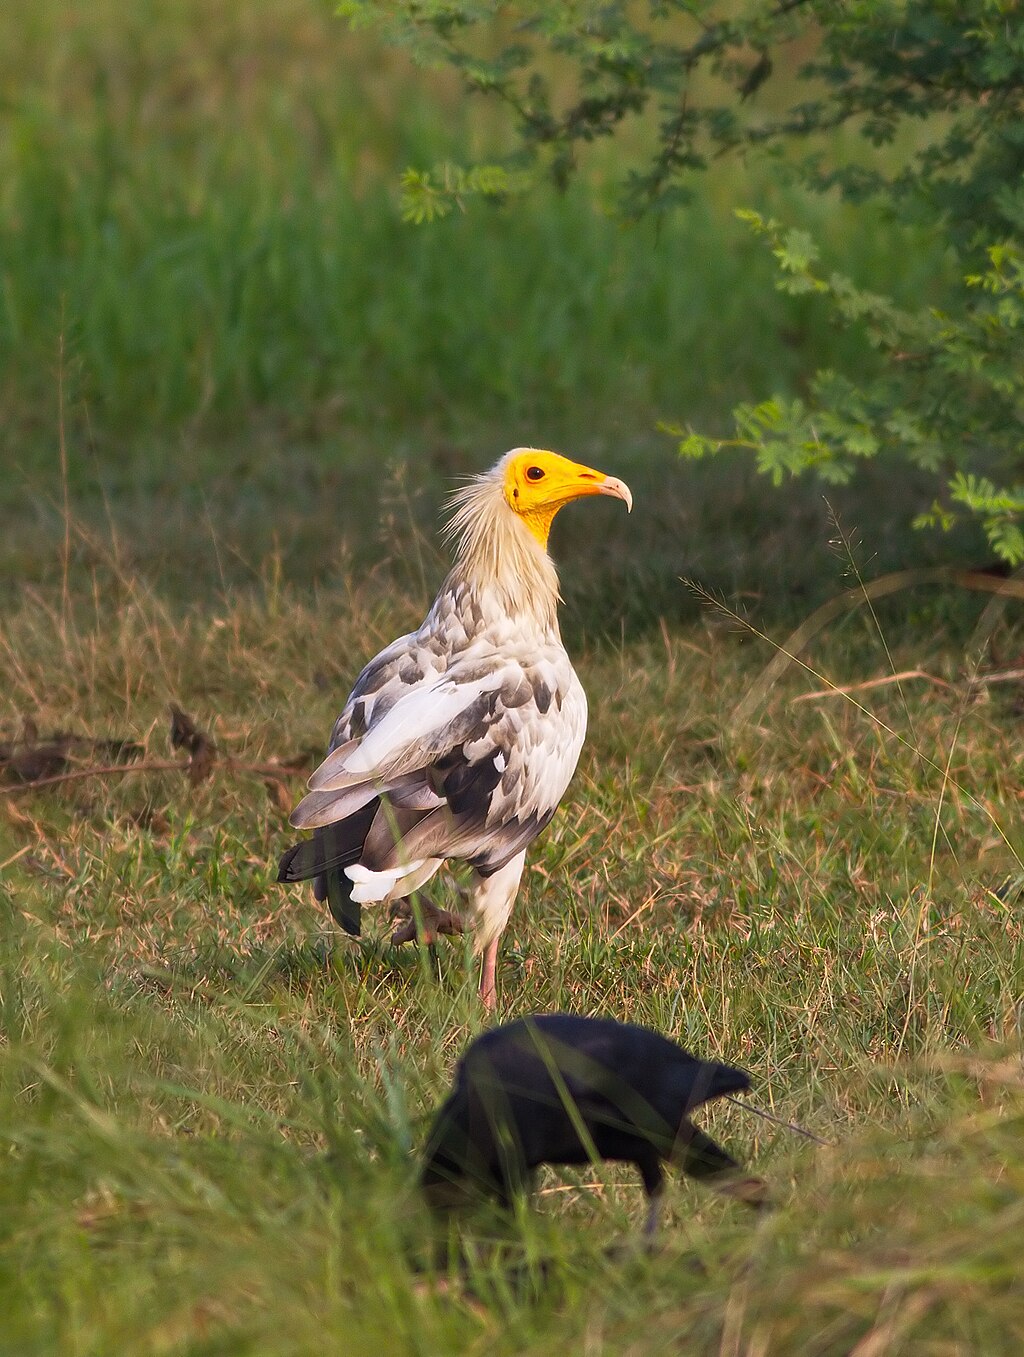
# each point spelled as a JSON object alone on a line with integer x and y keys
{"x": 930, "y": 89}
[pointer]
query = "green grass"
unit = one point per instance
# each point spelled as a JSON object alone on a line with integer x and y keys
{"x": 212, "y": 314}
{"x": 199, "y": 229}
{"x": 209, "y": 1102}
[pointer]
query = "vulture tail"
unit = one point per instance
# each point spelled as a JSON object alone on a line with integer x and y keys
{"x": 324, "y": 858}
{"x": 338, "y": 889}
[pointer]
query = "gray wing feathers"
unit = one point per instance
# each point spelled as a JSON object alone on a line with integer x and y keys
{"x": 326, "y": 807}
{"x": 334, "y": 761}
{"x": 470, "y": 762}
{"x": 420, "y": 727}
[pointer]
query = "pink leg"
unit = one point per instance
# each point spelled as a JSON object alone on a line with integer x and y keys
{"x": 488, "y": 984}
{"x": 491, "y": 901}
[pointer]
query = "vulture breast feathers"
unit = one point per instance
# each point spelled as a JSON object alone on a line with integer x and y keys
{"x": 458, "y": 740}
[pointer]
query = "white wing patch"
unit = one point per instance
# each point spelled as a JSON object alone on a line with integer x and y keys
{"x": 413, "y": 719}
{"x": 370, "y": 886}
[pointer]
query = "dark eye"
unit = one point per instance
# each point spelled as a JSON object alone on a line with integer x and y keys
{"x": 534, "y": 473}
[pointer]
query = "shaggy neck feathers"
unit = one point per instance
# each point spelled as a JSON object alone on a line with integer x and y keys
{"x": 497, "y": 553}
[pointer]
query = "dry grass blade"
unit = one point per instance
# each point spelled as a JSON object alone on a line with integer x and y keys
{"x": 840, "y": 690}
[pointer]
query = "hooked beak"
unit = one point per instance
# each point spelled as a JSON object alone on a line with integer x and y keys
{"x": 611, "y": 485}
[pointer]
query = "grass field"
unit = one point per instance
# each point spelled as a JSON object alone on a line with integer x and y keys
{"x": 209, "y": 1101}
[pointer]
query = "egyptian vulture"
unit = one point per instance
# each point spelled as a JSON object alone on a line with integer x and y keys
{"x": 459, "y": 739}
{"x": 559, "y": 1089}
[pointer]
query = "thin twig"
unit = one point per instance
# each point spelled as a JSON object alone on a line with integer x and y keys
{"x": 103, "y": 770}
{"x": 1005, "y": 676}
{"x": 152, "y": 766}
{"x": 778, "y": 1121}
{"x": 840, "y": 691}
{"x": 879, "y": 588}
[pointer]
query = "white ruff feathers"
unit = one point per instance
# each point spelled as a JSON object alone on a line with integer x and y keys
{"x": 496, "y": 554}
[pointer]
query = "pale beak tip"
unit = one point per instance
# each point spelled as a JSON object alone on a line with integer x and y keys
{"x": 611, "y": 485}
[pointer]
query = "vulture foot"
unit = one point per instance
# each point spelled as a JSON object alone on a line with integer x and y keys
{"x": 433, "y": 923}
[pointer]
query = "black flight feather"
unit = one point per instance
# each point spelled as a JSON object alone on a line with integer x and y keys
{"x": 324, "y": 858}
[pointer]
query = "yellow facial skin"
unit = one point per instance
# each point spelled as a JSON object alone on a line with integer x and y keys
{"x": 539, "y": 483}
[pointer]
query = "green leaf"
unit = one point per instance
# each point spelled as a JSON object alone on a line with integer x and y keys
{"x": 696, "y": 446}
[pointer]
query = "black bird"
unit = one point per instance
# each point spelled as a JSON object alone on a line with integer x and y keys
{"x": 557, "y": 1089}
